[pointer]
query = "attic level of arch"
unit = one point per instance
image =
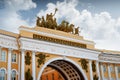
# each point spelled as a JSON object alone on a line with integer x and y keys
{"x": 45, "y": 38}
{"x": 50, "y": 22}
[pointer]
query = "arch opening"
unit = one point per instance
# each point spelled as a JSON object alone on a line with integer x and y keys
{"x": 62, "y": 70}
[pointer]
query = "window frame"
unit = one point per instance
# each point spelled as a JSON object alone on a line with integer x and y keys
{"x": 118, "y": 68}
{"x": 12, "y": 57}
{"x": 4, "y": 78}
{"x": 104, "y": 68}
{"x": 1, "y": 55}
{"x": 112, "y": 69}
{"x": 15, "y": 76}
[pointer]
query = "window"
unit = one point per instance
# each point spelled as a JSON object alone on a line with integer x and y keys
{"x": 118, "y": 69}
{"x": 111, "y": 69}
{"x": 112, "y": 79}
{"x": 14, "y": 57}
{"x": 104, "y": 68}
{"x": 13, "y": 75}
{"x": 2, "y": 74}
{"x": 3, "y": 55}
{"x": 105, "y": 79}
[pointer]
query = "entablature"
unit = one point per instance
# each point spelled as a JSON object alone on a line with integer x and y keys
{"x": 111, "y": 58}
{"x": 8, "y": 42}
{"x": 58, "y": 49}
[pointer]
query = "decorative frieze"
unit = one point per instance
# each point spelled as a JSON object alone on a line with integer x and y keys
{"x": 8, "y": 42}
{"x": 109, "y": 58}
{"x": 50, "y": 39}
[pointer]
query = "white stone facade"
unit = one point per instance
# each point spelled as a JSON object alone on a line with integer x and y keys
{"x": 10, "y": 43}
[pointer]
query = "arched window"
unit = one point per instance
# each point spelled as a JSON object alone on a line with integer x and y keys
{"x": 2, "y": 74}
{"x": 13, "y": 75}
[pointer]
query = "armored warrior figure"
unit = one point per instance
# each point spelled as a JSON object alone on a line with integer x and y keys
{"x": 43, "y": 23}
{"x": 38, "y": 21}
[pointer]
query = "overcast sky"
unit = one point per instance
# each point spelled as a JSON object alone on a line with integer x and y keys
{"x": 98, "y": 19}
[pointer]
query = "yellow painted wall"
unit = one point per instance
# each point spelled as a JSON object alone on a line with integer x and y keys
{"x": 28, "y": 34}
{"x": 3, "y": 64}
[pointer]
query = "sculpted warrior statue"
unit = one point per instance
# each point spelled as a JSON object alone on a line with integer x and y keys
{"x": 43, "y": 23}
{"x": 55, "y": 11}
{"x": 67, "y": 26}
{"x": 38, "y": 21}
{"x": 50, "y": 16}
{"x": 49, "y": 19}
{"x": 54, "y": 24}
{"x": 50, "y": 22}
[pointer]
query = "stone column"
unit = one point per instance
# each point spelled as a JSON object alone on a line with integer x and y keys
{"x": 97, "y": 68}
{"x": 33, "y": 66}
{"x": 9, "y": 64}
{"x": 109, "y": 72}
{"x": 0, "y": 52}
{"x": 91, "y": 73}
{"x": 22, "y": 65}
{"x": 116, "y": 72}
{"x": 102, "y": 75}
{"x": 19, "y": 66}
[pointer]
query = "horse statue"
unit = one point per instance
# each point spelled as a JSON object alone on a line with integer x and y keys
{"x": 77, "y": 30}
{"x": 71, "y": 28}
{"x": 61, "y": 27}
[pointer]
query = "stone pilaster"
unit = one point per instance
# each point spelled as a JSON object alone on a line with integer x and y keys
{"x": 109, "y": 72}
{"x": 102, "y": 72}
{"x": 91, "y": 73}
{"x": 22, "y": 65}
{"x": 33, "y": 66}
{"x": 0, "y": 52}
{"x": 9, "y": 64}
{"x": 19, "y": 66}
{"x": 98, "y": 71}
{"x": 116, "y": 72}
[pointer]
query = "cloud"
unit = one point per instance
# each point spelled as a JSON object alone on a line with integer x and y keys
{"x": 100, "y": 27}
{"x": 20, "y": 4}
{"x": 10, "y": 18}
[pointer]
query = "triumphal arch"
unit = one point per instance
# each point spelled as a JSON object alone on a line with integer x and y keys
{"x": 51, "y": 51}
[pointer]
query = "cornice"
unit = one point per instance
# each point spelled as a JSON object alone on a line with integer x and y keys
{"x": 111, "y": 58}
{"x": 8, "y": 42}
{"x": 7, "y": 33}
{"x": 59, "y": 49}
